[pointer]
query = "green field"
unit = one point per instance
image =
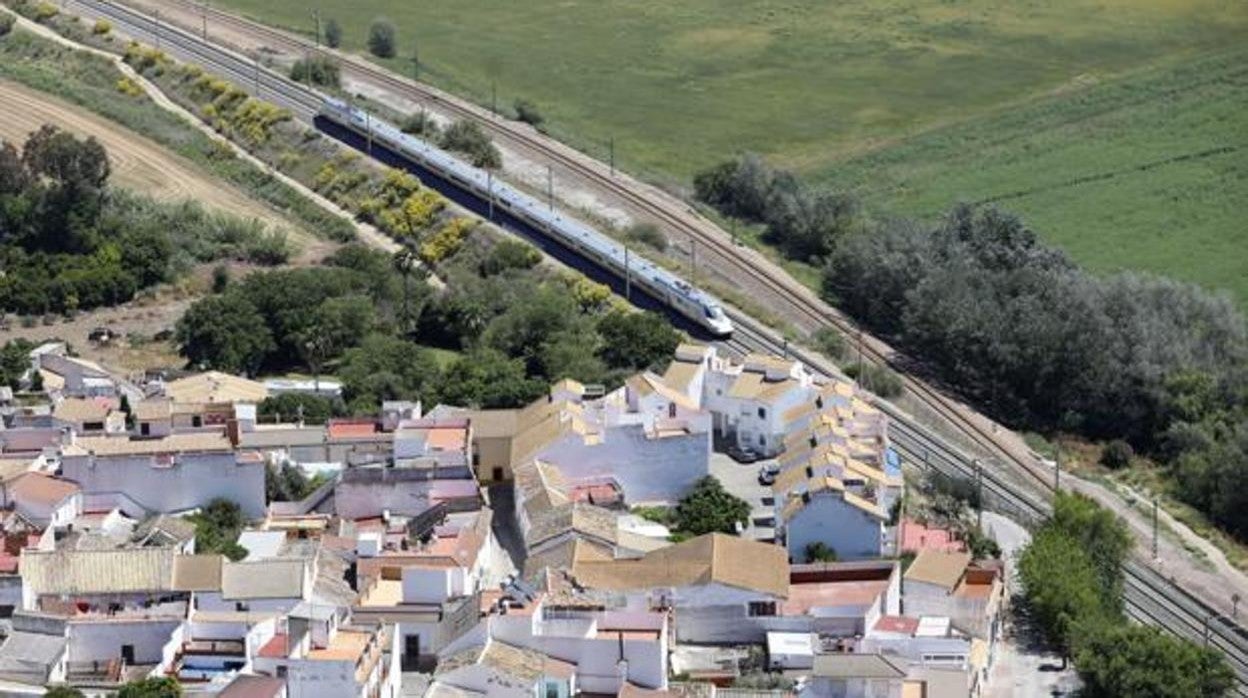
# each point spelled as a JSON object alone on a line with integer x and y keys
{"x": 914, "y": 103}
{"x": 1146, "y": 172}
{"x": 680, "y": 84}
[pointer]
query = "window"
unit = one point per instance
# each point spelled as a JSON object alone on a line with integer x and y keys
{"x": 762, "y": 440}
{"x": 762, "y": 608}
{"x": 197, "y": 421}
{"x": 671, "y": 410}
{"x": 498, "y": 474}
{"x": 762, "y": 413}
{"x": 145, "y": 429}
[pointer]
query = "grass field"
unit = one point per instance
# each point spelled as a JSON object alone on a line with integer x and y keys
{"x": 1146, "y": 172}
{"x": 679, "y": 84}
{"x": 914, "y": 103}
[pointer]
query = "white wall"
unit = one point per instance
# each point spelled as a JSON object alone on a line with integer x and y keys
{"x": 431, "y": 584}
{"x": 192, "y": 481}
{"x": 719, "y": 614}
{"x": 94, "y": 641}
{"x": 648, "y": 470}
{"x": 850, "y": 531}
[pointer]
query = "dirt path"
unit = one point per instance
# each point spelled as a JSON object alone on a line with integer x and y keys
{"x": 138, "y": 164}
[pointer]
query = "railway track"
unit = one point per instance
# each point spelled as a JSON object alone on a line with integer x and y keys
{"x": 1149, "y": 597}
{"x": 673, "y": 214}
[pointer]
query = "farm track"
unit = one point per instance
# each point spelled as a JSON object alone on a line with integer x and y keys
{"x": 1150, "y": 598}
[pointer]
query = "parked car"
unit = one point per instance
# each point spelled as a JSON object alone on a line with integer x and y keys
{"x": 743, "y": 455}
{"x": 767, "y": 474}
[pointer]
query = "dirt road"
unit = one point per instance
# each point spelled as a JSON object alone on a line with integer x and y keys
{"x": 138, "y": 163}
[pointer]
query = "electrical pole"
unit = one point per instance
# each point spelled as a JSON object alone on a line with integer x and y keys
{"x": 489, "y": 188}
{"x": 628, "y": 277}
{"x": 1154, "y": 528}
{"x": 785, "y": 347}
{"x": 979, "y": 495}
{"x": 316, "y": 21}
{"x": 693, "y": 261}
{"x": 415, "y": 63}
{"x": 1057, "y": 470}
{"x": 611, "y": 146}
{"x": 494, "y": 97}
{"x": 550, "y": 188}
{"x": 256, "y": 56}
{"x": 368, "y": 128}
{"x": 157, "y": 30}
{"x": 204, "y": 16}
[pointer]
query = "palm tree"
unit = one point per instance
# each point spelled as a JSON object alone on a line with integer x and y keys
{"x": 404, "y": 262}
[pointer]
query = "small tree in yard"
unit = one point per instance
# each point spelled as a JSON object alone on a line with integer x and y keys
{"x": 820, "y": 552}
{"x": 163, "y": 687}
{"x": 333, "y": 34}
{"x": 709, "y": 508}
{"x": 381, "y": 38}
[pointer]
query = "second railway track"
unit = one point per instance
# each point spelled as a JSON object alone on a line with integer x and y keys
{"x": 1149, "y": 597}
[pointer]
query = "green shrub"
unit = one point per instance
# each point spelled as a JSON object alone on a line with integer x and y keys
{"x": 6, "y": 23}
{"x": 318, "y": 70}
{"x": 829, "y": 341}
{"x": 880, "y": 380}
{"x": 101, "y": 27}
{"x": 528, "y": 112}
{"x": 1117, "y": 454}
{"x": 45, "y": 11}
{"x": 381, "y": 38}
{"x": 647, "y": 234}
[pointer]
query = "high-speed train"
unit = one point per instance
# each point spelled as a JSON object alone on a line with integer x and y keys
{"x": 664, "y": 286}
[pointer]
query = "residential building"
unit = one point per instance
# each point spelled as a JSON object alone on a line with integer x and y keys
{"x": 950, "y": 584}
{"x": 859, "y": 676}
{"x": 725, "y": 589}
{"x": 89, "y": 416}
{"x": 45, "y": 501}
{"x": 650, "y": 439}
{"x": 165, "y": 475}
{"x": 215, "y": 387}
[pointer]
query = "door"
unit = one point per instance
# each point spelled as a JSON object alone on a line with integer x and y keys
{"x": 127, "y": 654}
{"x": 411, "y": 652}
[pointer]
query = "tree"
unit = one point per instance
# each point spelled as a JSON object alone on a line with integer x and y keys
{"x": 220, "y": 278}
{"x": 224, "y": 332}
{"x": 1117, "y": 455}
{"x": 469, "y": 138}
{"x": 1061, "y": 584}
{"x": 1129, "y": 660}
{"x": 405, "y": 263}
{"x": 319, "y": 70}
{"x": 709, "y": 508}
{"x": 63, "y": 692}
{"x": 312, "y": 409}
{"x": 636, "y": 340}
{"x": 509, "y": 254}
{"x": 288, "y": 483}
{"x": 489, "y": 379}
{"x": 819, "y": 551}
{"x": 381, "y": 38}
{"x": 164, "y": 687}
{"x": 387, "y": 368}
{"x": 1101, "y": 535}
{"x": 333, "y": 33}
{"x": 217, "y": 528}
{"x": 341, "y": 322}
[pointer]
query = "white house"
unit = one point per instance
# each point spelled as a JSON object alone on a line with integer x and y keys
{"x": 724, "y": 589}
{"x": 749, "y": 400}
{"x": 45, "y": 501}
{"x": 166, "y": 475}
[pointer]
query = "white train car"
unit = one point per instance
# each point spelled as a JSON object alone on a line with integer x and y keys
{"x": 699, "y": 306}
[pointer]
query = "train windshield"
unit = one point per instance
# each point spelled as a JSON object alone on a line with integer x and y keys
{"x": 713, "y": 312}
